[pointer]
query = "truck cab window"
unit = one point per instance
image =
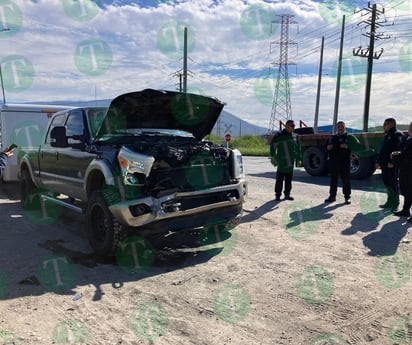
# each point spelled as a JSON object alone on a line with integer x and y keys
{"x": 58, "y": 120}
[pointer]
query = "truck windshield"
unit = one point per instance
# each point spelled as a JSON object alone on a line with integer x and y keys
{"x": 95, "y": 117}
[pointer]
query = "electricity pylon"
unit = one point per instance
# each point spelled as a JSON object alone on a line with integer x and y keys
{"x": 281, "y": 107}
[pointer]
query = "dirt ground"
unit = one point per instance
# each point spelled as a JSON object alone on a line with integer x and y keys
{"x": 293, "y": 272}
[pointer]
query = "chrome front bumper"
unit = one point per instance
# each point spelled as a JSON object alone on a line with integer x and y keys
{"x": 139, "y": 212}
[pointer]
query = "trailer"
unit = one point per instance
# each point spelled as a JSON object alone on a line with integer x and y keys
{"x": 315, "y": 156}
{"x": 23, "y": 125}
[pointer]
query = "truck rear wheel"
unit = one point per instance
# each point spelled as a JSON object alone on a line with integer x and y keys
{"x": 103, "y": 229}
{"x": 315, "y": 161}
{"x": 360, "y": 167}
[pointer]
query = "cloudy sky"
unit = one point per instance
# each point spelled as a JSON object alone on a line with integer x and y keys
{"x": 53, "y": 50}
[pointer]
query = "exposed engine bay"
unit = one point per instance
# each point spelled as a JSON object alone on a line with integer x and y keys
{"x": 179, "y": 164}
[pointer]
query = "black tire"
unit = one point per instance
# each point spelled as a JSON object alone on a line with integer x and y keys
{"x": 103, "y": 229}
{"x": 315, "y": 161}
{"x": 360, "y": 167}
{"x": 304, "y": 130}
{"x": 26, "y": 188}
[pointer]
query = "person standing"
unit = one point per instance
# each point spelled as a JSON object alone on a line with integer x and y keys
{"x": 403, "y": 160}
{"x": 391, "y": 142}
{"x": 284, "y": 150}
{"x": 4, "y": 159}
{"x": 339, "y": 150}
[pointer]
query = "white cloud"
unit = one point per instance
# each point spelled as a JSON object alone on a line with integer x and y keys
{"x": 225, "y": 61}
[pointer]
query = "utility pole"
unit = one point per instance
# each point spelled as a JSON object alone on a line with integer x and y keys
{"x": 339, "y": 73}
{"x": 370, "y": 54}
{"x": 183, "y": 74}
{"x": 281, "y": 108}
{"x": 315, "y": 122}
{"x": 185, "y": 61}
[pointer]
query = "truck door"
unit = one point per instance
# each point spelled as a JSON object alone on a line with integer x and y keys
{"x": 74, "y": 160}
{"x": 48, "y": 156}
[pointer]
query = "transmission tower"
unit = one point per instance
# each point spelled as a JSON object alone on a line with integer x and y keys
{"x": 281, "y": 107}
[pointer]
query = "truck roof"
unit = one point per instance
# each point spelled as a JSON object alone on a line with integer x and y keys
{"x": 41, "y": 108}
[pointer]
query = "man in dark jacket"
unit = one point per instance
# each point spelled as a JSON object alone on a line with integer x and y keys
{"x": 284, "y": 150}
{"x": 3, "y": 159}
{"x": 391, "y": 142}
{"x": 403, "y": 160}
{"x": 339, "y": 149}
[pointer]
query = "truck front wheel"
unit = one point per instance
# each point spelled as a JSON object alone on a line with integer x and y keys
{"x": 103, "y": 229}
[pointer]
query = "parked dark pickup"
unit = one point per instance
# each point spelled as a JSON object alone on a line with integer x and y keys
{"x": 138, "y": 166}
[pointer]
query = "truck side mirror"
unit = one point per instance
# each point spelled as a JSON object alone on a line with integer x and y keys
{"x": 58, "y": 137}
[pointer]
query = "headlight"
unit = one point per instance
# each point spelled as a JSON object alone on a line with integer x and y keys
{"x": 237, "y": 164}
{"x": 132, "y": 163}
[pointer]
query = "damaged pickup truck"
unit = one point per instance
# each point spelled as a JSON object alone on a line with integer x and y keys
{"x": 139, "y": 166}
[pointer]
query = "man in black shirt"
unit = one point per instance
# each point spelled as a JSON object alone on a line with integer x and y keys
{"x": 391, "y": 142}
{"x": 339, "y": 150}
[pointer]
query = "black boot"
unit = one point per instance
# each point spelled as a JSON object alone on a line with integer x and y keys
{"x": 403, "y": 213}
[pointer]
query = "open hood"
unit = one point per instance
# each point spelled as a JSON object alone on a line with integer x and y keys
{"x": 161, "y": 109}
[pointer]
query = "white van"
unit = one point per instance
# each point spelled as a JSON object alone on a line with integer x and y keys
{"x": 23, "y": 125}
